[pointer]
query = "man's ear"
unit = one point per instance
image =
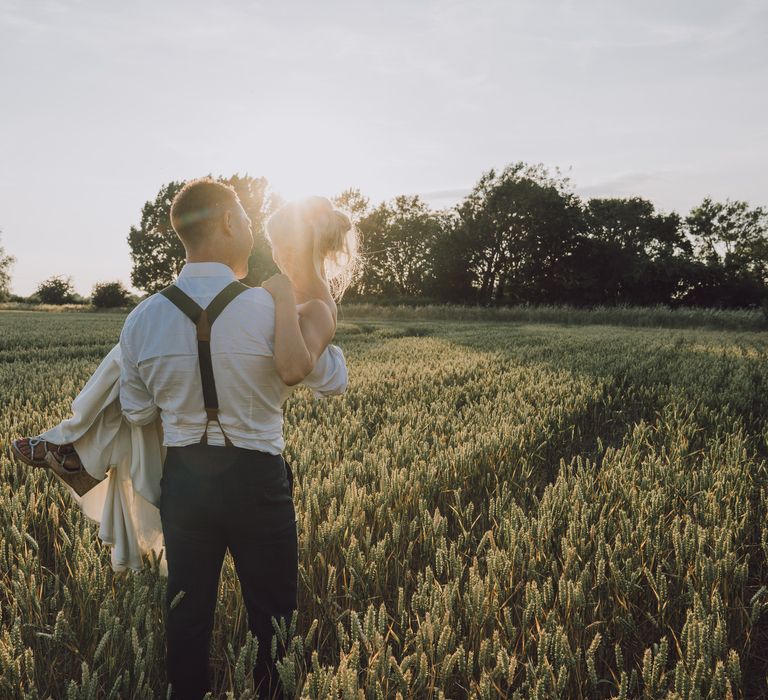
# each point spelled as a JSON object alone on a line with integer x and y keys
{"x": 227, "y": 222}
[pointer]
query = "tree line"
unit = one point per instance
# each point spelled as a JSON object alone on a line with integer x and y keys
{"x": 520, "y": 236}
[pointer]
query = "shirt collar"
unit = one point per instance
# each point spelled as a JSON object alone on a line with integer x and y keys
{"x": 207, "y": 269}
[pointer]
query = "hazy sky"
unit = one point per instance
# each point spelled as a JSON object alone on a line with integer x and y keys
{"x": 104, "y": 101}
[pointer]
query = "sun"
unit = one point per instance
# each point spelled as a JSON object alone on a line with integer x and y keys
{"x": 309, "y": 159}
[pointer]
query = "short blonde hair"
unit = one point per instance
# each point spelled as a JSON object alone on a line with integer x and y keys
{"x": 197, "y": 205}
{"x": 335, "y": 240}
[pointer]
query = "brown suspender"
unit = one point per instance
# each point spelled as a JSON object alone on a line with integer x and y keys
{"x": 203, "y": 319}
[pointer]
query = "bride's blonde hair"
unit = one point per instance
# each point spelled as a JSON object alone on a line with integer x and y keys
{"x": 335, "y": 240}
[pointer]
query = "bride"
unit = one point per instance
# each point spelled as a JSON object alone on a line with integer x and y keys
{"x": 112, "y": 468}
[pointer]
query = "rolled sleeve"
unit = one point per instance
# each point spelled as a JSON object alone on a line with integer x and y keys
{"x": 136, "y": 401}
{"x": 329, "y": 375}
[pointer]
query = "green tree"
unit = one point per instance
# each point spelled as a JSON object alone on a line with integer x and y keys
{"x": 731, "y": 233}
{"x": 518, "y": 227}
{"x": 731, "y": 246}
{"x": 156, "y": 251}
{"x": 398, "y": 239}
{"x": 107, "y": 295}
{"x": 353, "y": 202}
{"x": 632, "y": 223}
{"x": 158, "y": 254}
{"x": 6, "y": 263}
{"x": 453, "y": 279}
{"x": 56, "y": 290}
{"x": 631, "y": 253}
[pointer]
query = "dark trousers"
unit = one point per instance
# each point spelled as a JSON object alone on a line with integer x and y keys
{"x": 213, "y": 498}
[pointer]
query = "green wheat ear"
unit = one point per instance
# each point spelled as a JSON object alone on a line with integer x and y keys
{"x": 177, "y": 599}
{"x": 512, "y": 508}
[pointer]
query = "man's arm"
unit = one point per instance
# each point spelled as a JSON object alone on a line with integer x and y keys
{"x": 136, "y": 401}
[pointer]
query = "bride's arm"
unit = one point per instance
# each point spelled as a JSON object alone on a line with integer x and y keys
{"x": 301, "y": 333}
{"x": 316, "y": 289}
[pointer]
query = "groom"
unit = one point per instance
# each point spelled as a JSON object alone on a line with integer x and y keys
{"x": 225, "y": 484}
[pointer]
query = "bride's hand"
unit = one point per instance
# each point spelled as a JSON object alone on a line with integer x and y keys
{"x": 280, "y": 287}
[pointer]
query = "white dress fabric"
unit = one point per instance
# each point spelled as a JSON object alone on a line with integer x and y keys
{"x": 129, "y": 460}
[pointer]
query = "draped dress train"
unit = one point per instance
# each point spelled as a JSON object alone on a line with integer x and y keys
{"x": 128, "y": 461}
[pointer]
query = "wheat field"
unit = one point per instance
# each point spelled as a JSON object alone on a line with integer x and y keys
{"x": 492, "y": 510}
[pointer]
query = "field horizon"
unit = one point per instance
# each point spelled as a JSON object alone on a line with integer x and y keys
{"x": 657, "y": 316}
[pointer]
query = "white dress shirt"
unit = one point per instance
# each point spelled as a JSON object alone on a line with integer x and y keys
{"x": 160, "y": 370}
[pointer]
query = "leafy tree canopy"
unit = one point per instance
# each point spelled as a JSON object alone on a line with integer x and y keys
{"x": 158, "y": 254}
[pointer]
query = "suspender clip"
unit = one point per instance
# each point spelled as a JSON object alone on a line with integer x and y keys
{"x": 204, "y": 327}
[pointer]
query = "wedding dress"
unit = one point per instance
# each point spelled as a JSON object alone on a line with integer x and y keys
{"x": 127, "y": 458}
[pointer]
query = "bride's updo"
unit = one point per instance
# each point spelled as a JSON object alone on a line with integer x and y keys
{"x": 334, "y": 241}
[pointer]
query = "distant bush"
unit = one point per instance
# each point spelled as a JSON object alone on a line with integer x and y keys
{"x": 56, "y": 290}
{"x": 107, "y": 295}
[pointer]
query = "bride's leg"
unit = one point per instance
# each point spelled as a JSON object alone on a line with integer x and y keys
{"x": 86, "y": 438}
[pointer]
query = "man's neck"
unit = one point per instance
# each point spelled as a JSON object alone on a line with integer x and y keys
{"x": 210, "y": 257}
{"x": 202, "y": 257}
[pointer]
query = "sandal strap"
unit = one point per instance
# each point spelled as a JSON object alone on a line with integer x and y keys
{"x": 54, "y": 461}
{"x": 60, "y": 458}
{"x": 53, "y": 457}
{"x": 33, "y": 443}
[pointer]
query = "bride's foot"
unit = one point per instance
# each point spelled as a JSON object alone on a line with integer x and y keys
{"x": 63, "y": 460}
{"x": 33, "y": 451}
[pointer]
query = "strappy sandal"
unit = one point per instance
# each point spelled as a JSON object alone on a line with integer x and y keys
{"x": 59, "y": 461}
{"x": 54, "y": 455}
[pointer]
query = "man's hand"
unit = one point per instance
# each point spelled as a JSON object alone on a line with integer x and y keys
{"x": 280, "y": 287}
